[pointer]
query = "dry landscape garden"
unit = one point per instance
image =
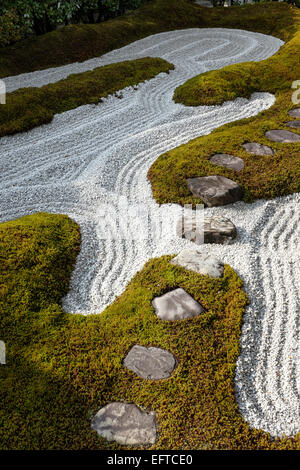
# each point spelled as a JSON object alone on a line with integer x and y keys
{"x": 117, "y": 335}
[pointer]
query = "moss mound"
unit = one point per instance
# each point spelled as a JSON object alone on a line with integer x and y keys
{"x": 273, "y": 75}
{"x": 62, "y": 368}
{"x": 31, "y": 107}
{"x": 81, "y": 42}
{"x": 263, "y": 177}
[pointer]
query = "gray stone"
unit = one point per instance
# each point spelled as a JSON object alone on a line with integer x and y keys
{"x": 295, "y": 113}
{"x": 2, "y": 353}
{"x": 215, "y": 229}
{"x": 228, "y": 161}
{"x": 150, "y": 363}
{"x": 282, "y": 136}
{"x": 294, "y": 124}
{"x": 200, "y": 262}
{"x": 176, "y": 305}
{"x": 126, "y": 424}
{"x": 215, "y": 190}
{"x": 258, "y": 149}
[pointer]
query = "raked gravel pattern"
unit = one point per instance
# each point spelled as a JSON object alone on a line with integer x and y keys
{"x": 92, "y": 162}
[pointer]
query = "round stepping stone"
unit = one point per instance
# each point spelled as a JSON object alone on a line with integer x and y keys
{"x": 258, "y": 149}
{"x": 200, "y": 262}
{"x": 176, "y": 305}
{"x": 216, "y": 229}
{"x": 126, "y": 424}
{"x": 150, "y": 363}
{"x": 282, "y": 136}
{"x": 228, "y": 161}
{"x": 295, "y": 113}
{"x": 294, "y": 124}
{"x": 215, "y": 190}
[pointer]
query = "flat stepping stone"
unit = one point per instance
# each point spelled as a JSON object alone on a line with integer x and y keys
{"x": 2, "y": 353}
{"x": 126, "y": 424}
{"x": 200, "y": 262}
{"x": 150, "y": 363}
{"x": 176, "y": 305}
{"x": 215, "y": 190}
{"x": 294, "y": 124}
{"x": 228, "y": 161}
{"x": 258, "y": 149}
{"x": 295, "y": 113}
{"x": 282, "y": 136}
{"x": 215, "y": 229}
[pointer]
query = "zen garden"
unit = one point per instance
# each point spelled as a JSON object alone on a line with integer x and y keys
{"x": 149, "y": 225}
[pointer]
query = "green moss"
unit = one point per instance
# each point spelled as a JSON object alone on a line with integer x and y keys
{"x": 31, "y": 107}
{"x": 62, "y": 368}
{"x": 81, "y": 42}
{"x": 263, "y": 177}
{"x": 273, "y": 75}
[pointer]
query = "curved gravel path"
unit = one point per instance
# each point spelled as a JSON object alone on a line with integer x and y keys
{"x": 93, "y": 160}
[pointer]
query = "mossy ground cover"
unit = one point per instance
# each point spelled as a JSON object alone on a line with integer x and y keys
{"x": 273, "y": 75}
{"x": 30, "y": 107}
{"x": 61, "y": 368}
{"x": 81, "y": 42}
{"x": 262, "y": 177}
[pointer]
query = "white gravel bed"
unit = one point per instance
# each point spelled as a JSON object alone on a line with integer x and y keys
{"x": 93, "y": 160}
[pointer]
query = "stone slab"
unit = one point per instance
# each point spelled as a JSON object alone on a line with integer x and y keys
{"x": 282, "y": 136}
{"x": 199, "y": 261}
{"x": 215, "y": 229}
{"x": 228, "y": 161}
{"x": 176, "y": 305}
{"x": 150, "y": 363}
{"x": 258, "y": 149}
{"x": 125, "y": 424}
{"x": 295, "y": 113}
{"x": 215, "y": 190}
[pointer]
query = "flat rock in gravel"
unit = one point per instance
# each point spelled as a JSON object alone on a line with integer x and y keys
{"x": 176, "y": 305}
{"x": 150, "y": 363}
{"x": 295, "y": 113}
{"x": 282, "y": 136}
{"x": 199, "y": 261}
{"x": 215, "y": 190}
{"x": 126, "y": 424}
{"x": 228, "y": 161}
{"x": 215, "y": 229}
{"x": 258, "y": 149}
{"x": 294, "y": 124}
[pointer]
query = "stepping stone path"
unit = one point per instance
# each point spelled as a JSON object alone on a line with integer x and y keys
{"x": 282, "y": 136}
{"x": 216, "y": 229}
{"x": 200, "y": 262}
{"x": 228, "y": 161}
{"x": 294, "y": 124}
{"x": 126, "y": 424}
{"x": 258, "y": 149}
{"x": 295, "y": 113}
{"x": 176, "y": 305}
{"x": 150, "y": 363}
{"x": 215, "y": 190}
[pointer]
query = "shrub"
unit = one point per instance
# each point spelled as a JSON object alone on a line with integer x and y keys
{"x": 10, "y": 29}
